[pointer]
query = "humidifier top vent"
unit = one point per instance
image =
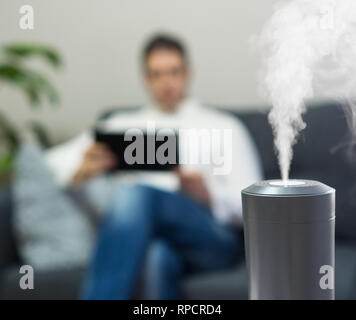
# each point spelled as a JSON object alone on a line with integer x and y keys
{"x": 291, "y": 188}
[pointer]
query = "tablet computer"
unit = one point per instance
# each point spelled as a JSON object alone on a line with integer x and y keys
{"x": 140, "y": 150}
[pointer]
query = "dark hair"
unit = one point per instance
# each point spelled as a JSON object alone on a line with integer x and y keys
{"x": 166, "y": 42}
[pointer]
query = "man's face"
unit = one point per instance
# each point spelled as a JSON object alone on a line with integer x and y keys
{"x": 166, "y": 76}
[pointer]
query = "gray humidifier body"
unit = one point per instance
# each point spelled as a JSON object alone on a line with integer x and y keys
{"x": 289, "y": 238}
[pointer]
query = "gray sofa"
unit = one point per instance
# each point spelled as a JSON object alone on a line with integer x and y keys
{"x": 320, "y": 154}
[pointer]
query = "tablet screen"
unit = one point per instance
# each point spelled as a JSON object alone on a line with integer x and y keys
{"x": 140, "y": 150}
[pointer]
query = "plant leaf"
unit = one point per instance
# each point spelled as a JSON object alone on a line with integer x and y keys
{"x": 6, "y": 163}
{"x": 24, "y": 50}
{"x": 41, "y": 133}
{"x": 31, "y": 82}
{"x": 16, "y": 76}
{"x": 43, "y": 86}
{"x": 9, "y": 132}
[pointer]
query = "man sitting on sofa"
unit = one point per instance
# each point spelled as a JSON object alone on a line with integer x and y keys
{"x": 174, "y": 222}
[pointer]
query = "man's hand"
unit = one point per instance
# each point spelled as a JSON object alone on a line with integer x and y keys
{"x": 194, "y": 185}
{"x": 96, "y": 160}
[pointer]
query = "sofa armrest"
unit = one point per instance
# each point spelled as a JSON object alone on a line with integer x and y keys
{"x": 8, "y": 250}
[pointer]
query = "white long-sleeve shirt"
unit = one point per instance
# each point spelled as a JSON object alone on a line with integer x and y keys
{"x": 227, "y": 160}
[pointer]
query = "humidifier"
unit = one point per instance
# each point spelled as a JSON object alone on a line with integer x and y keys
{"x": 289, "y": 237}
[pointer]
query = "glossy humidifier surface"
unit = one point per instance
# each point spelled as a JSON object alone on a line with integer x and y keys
{"x": 289, "y": 239}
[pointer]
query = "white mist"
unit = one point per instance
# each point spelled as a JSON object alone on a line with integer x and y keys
{"x": 308, "y": 46}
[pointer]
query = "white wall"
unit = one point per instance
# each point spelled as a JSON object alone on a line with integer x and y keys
{"x": 100, "y": 41}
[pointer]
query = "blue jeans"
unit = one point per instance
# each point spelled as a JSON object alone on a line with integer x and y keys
{"x": 160, "y": 235}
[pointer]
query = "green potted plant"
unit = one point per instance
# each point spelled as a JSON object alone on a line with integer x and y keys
{"x": 35, "y": 86}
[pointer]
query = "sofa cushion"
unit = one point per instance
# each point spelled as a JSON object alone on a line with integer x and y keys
{"x": 48, "y": 284}
{"x": 51, "y": 230}
{"x": 223, "y": 285}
